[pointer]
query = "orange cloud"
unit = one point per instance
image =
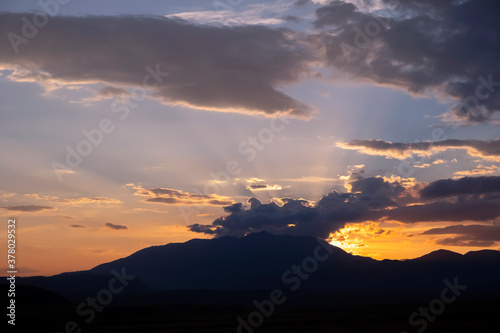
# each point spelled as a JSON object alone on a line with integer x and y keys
{"x": 480, "y": 170}
{"x": 487, "y": 150}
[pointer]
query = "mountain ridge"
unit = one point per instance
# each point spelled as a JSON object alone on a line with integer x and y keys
{"x": 263, "y": 261}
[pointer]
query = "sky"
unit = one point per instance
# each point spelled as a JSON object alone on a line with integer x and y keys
{"x": 125, "y": 124}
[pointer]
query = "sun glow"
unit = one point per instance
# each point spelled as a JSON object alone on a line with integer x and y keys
{"x": 344, "y": 240}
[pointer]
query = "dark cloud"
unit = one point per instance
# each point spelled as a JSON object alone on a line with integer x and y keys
{"x": 469, "y": 209}
{"x": 292, "y": 19}
{"x": 301, "y": 217}
{"x": 480, "y": 231}
{"x": 488, "y": 150}
{"x": 28, "y": 208}
{"x": 463, "y": 186}
{"x": 257, "y": 186}
{"x": 302, "y": 2}
{"x": 470, "y": 235}
{"x": 200, "y": 228}
{"x": 205, "y": 67}
{"x": 237, "y": 207}
{"x": 77, "y": 226}
{"x": 265, "y": 187}
{"x": 377, "y": 192}
{"x": 464, "y": 241}
{"x": 370, "y": 199}
{"x": 116, "y": 226}
{"x": 446, "y": 47}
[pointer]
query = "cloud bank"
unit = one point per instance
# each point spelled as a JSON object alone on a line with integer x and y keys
{"x": 202, "y": 67}
{"x": 369, "y": 199}
{"x": 447, "y": 48}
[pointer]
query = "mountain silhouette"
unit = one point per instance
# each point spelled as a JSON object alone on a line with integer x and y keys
{"x": 259, "y": 262}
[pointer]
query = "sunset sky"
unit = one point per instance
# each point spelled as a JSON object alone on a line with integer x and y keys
{"x": 127, "y": 124}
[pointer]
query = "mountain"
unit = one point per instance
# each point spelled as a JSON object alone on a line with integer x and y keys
{"x": 440, "y": 255}
{"x": 304, "y": 266}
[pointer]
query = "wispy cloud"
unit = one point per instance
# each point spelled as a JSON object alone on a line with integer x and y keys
{"x": 28, "y": 208}
{"x": 479, "y": 171}
{"x": 487, "y": 150}
{"x": 116, "y": 226}
{"x": 170, "y": 196}
{"x": 477, "y": 235}
{"x": 265, "y": 187}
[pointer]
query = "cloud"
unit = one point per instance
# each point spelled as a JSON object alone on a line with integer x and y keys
{"x": 42, "y": 196}
{"x": 77, "y": 226}
{"x": 74, "y": 201}
{"x": 302, "y": 217}
{"x": 376, "y": 192}
{"x": 254, "y": 14}
{"x": 116, "y": 226}
{"x": 370, "y": 199}
{"x": 28, "y": 208}
{"x": 89, "y": 200}
{"x": 292, "y": 19}
{"x": 463, "y": 186}
{"x": 480, "y": 170}
{"x": 471, "y": 235}
{"x": 302, "y": 2}
{"x": 110, "y": 92}
{"x": 464, "y": 241}
{"x": 448, "y": 48}
{"x": 6, "y": 195}
{"x": 314, "y": 179}
{"x": 252, "y": 180}
{"x": 265, "y": 187}
{"x": 487, "y": 150}
{"x": 209, "y": 68}
{"x": 170, "y": 196}
{"x": 257, "y": 186}
{"x": 422, "y": 166}
{"x": 235, "y": 208}
{"x": 471, "y": 209}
